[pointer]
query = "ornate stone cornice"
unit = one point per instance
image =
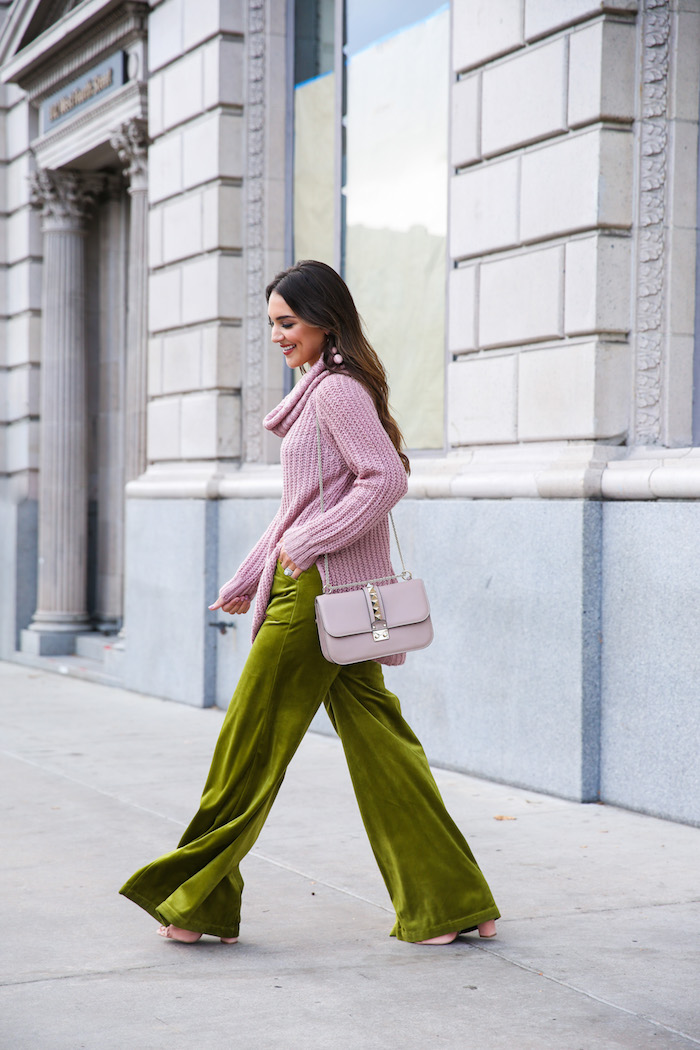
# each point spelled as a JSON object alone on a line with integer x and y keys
{"x": 254, "y": 248}
{"x": 66, "y": 198}
{"x": 651, "y": 212}
{"x": 130, "y": 142}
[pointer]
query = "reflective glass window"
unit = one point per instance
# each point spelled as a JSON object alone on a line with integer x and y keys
{"x": 314, "y": 130}
{"x": 392, "y": 189}
{"x": 396, "y": 199}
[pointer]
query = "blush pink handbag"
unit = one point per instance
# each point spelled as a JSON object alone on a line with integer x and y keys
{"x": 379, "y": 618}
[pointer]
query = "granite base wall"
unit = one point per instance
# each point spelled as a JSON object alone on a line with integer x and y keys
{"x": 509, "y": 690}
{"x": 241, "y": 524}
{"x": 170, "y": 651}
{"x": 178, "y": 552}
{"x": 650, "y": 730}
{"x": 18, "y": 570}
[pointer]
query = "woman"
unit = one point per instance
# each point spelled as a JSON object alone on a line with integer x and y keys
{"x": 434, "y": 882}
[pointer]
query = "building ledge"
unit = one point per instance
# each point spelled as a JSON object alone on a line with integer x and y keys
{"x": 545, "y": 471}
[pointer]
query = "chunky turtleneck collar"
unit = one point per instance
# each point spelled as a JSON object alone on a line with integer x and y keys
{"x": 280, "y": 419}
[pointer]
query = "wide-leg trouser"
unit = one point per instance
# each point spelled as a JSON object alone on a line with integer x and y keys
{"x": 434, "y": 882}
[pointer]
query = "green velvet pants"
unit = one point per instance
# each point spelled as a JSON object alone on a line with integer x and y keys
{"x": 434, "y": 882}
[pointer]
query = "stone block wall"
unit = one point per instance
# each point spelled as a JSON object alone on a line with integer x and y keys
{"x": 541, "y": 217}
{"x": 217, "y": 173}
{"x": 20, "y": 301}
{"x": 197, "y": 282}
{"x": 509, "y": 689}
{"x": 20, "y": 334}
{"x": 650, "y": 659}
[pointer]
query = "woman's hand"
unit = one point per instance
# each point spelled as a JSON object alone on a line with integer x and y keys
{"x": 236, "y": 605}
{"x": 287, "y": 563}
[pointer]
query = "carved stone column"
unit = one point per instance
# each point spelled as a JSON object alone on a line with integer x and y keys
{"x": 66, "y": 199}
{"x": 131, "y": 145}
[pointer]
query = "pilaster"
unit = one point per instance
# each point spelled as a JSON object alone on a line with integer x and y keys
{"x": 107, "y": 357}
{"x": 254, "y": 247}
{"x": 131, "y": 144}
{"x": 652, "y": 220}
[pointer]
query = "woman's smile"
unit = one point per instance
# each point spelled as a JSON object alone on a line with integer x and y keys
{"x": 301, "y": 343}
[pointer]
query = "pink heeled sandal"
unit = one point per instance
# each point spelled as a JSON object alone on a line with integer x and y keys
{"x": 448, "y": 938}
{"x": 192, "y": 936}
{"x": 484, "y": 936}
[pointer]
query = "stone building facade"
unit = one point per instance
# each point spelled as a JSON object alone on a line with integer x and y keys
{"x": 511, "y": 188}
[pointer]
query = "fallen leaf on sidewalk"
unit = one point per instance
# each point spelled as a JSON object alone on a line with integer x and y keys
{"x": 505, "y": 818}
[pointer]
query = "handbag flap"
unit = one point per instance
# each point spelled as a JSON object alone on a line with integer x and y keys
{"x": 347, "y": 613}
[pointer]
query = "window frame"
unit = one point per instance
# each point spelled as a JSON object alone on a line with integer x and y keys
{"x": 339, "y": 199}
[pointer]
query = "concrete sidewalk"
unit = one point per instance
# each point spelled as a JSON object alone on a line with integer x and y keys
{"x": 597, "y": 948}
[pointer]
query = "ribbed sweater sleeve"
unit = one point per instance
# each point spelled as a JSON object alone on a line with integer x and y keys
{"x": 246, "y": 580}
{"x": 349, "y": 419}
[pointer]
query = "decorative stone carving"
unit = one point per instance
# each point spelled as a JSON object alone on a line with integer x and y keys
{"x": 255, "y": 238}
{"x": 130, "y": 143}
{"x": 651, "y": 210}
{"x": 66, "y": 198}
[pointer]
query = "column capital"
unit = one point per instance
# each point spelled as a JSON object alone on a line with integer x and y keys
{"x": 130, "y": 141}
{"x": 65, "y": 197}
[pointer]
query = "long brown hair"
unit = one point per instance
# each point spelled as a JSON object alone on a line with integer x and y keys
{"x": 319, "y": 297}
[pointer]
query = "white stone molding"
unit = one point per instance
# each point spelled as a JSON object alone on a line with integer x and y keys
{"x": 66, "y": 199}
{"x": 131, "y": 144}
{"x": 254, "y": 376}
{"x": 202, "y": 481}
{"x": 651, "y": 282}
{"x": 91, "y": 127}
{"x": 548, "y": 470}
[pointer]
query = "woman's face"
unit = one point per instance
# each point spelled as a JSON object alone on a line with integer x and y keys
{"x": 300, "y": 343}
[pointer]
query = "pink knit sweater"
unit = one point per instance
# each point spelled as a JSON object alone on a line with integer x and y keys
{"x": 363, "y": 478}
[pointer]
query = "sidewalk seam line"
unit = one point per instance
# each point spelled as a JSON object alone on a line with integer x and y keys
{"x": 320, "y": 882}
{"x": 588, "y": 995}
{"x": 91, "y": 787}
{"x": 181, "y": 823}
{"x": 78, "y": 976}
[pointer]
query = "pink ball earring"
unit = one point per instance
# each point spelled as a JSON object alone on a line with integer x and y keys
{"x": 337, "y": 359}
